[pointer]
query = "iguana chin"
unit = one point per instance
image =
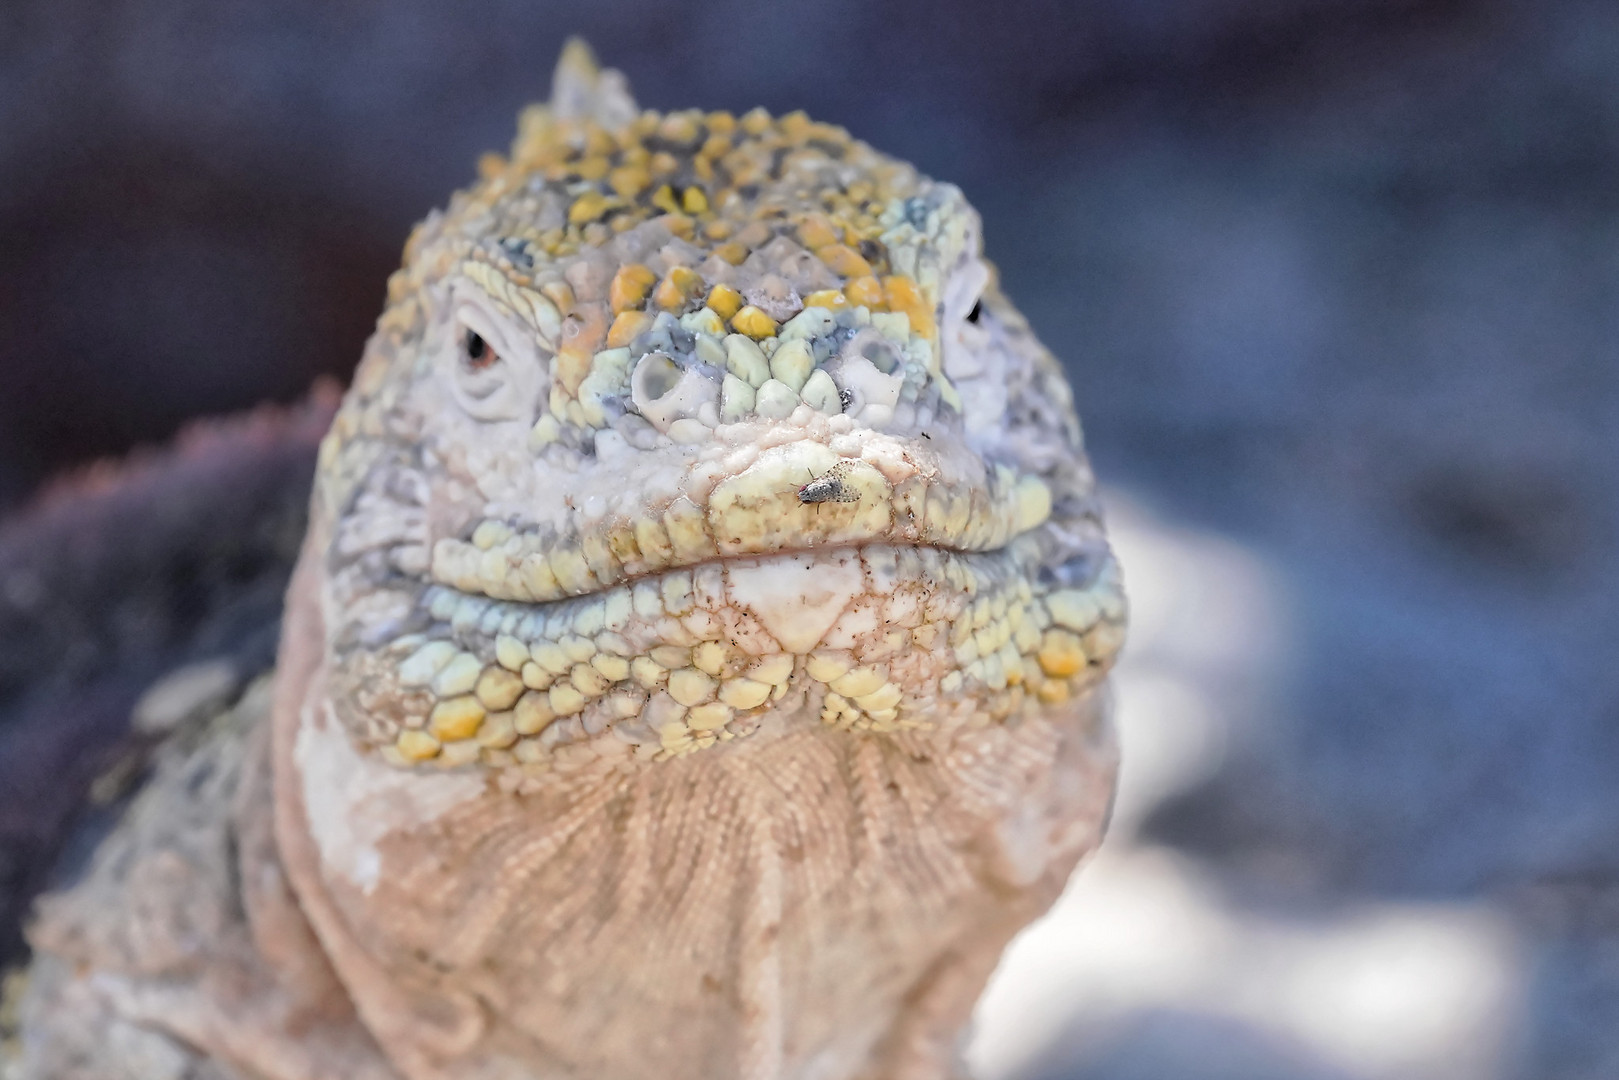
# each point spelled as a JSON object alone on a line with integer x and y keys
{"x": 695, "y": 665}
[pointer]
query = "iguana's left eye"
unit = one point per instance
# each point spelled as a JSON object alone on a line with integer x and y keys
{"x": 476, "y": 353}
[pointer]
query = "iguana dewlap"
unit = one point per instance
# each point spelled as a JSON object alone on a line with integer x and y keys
{"x": 694, "y": 668}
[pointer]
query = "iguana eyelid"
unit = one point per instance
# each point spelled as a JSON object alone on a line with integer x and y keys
{"x": 509, "y": 388}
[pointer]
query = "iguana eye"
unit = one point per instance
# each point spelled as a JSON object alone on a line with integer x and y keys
{"x": 476, "y": 353}
{"x": 495, "y": 367}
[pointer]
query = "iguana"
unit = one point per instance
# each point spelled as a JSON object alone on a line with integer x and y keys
{"x": 694, "y": 667}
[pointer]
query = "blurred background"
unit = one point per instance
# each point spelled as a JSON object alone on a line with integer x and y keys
{"x": 1337, "y": 282}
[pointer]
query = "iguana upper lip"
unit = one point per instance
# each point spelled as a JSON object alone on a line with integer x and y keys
{"x": 630, "y": 581}
{"x": 743, "y": 517}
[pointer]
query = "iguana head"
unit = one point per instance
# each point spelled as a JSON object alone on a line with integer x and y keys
{"x": 682, "y": 427}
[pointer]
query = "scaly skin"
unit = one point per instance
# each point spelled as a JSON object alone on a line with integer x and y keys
{"x": 694, "y": 668}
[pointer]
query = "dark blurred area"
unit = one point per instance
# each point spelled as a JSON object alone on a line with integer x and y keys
{"x": 1336, "y": 280}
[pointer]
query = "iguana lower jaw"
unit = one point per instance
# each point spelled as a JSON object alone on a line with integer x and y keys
{"x": 874, "y": 637}
{"x": 694, "y": 914}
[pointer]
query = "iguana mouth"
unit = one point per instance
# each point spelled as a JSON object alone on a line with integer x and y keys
{"x": 780, "y": 589}
{"x": 869, "y": 637}
{"x": 758, "y": 510}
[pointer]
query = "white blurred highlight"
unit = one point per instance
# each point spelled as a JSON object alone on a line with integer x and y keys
{"x": 1372, "y": 991}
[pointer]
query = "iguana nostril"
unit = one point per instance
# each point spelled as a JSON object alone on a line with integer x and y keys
{"x": 665, "y": 393}
{"x": 881, "y": 355}
{"x": 654, "y": 377}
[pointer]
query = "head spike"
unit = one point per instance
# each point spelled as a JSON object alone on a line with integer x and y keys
{"x": 582, "y": 90}
{"x": 575, "y": 79}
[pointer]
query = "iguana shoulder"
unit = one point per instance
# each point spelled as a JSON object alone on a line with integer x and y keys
{"x": 200, "y": 955}
{"x": 113, "y": 579}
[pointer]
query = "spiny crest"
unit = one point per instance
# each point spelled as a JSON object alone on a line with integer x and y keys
{"x": 588, "y": 167}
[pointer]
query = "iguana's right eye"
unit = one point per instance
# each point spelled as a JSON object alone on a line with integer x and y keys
{"x": 495, "y": 367}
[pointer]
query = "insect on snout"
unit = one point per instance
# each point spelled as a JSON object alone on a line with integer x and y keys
{"x": 829, "y": 487}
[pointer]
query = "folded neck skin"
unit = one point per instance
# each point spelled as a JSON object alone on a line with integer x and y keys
{"x": 695, "y": 665}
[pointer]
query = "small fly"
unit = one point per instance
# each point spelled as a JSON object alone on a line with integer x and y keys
{"x": 829, "y": 487}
